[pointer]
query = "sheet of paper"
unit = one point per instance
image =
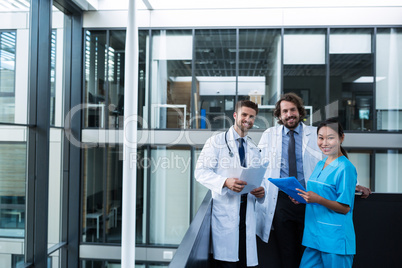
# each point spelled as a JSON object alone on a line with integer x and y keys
{"x": 289, "y": 185}
{"x": 253, "y": 176}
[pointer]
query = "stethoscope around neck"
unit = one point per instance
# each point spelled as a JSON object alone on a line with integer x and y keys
{"x": 226, "y": 141}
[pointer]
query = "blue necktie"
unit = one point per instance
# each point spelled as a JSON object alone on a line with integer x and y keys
{"x": 292, "y": 155}
{"x": 242, "y": 153}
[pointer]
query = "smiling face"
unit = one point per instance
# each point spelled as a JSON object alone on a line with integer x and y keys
{"x": 244, "y": 120}
{"x": 290, "y": 116}
{"x": 329, "y": 141}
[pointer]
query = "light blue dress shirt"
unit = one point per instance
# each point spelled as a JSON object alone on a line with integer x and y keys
{"x": 298, "y": 134}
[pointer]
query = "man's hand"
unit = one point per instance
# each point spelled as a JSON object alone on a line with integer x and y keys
{"x": 364, "y": 190}
{"x": 294, "y": 200}
{"x": 234, "y": 184}
{"x": 258, "y": 192}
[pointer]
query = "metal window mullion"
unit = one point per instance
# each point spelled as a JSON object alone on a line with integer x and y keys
{"x": 194, "y": 113}
{"x": 77, "y": 63}
{"x": 327, "y": 70}
{"x": 40, "y": 43}
{"x": 106, "y": 119}
{"x": 374, "y": 48}
{"x": 282, "y": 65}
{"x": 237, "y": 65}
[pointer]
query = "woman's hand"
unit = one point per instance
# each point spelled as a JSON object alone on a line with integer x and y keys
{"x": 309, "y": 196}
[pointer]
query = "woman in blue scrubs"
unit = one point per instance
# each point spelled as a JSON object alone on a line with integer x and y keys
{"x": 329, "y": 235}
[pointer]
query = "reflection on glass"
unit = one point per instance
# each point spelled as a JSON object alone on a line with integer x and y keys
{"x": 361, "y": 160}
{"x": 169, "y": 195}
{"x": 113, "y": 195}
{"x": 55, "y": 185}
{"x": 7, "y": 76}
{"x": 171, "y": 90}
{"x": 92, "y": 209}
{"x": 53, "y": 78}
{"x": 388, "y": 172}
{"x": 95, "y": 79}
{"x": 142, "y": 174}
{"x": 388, "y": 80}
{"x": 215, "y": 71}
{"x": 12, "y": 189}
{"x": 304, "y": 68}
{"x": 199, "y": 190}
{"x": 116, "y": 56}
{"x": 351, "y": 78}
{"x": 143, "y": 85}
{"x": 260, "y": 71}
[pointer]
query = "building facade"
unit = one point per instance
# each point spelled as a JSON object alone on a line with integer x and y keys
{"x": 62, "y": 77}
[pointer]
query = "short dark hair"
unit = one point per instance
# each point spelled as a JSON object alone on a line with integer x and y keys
{"x": 296, "y": 100}
{"x": 334, "y": 124}
{"x": 247, "y": 103}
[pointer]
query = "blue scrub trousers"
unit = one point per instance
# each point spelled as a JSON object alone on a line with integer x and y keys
{"x": 317, "y": 259}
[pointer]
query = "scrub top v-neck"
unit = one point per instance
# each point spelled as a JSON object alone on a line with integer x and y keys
{"x": 325, "y": 229}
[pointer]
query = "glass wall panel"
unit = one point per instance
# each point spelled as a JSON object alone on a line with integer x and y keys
{"x": 13, "y": 158}
{"x": 170, "y": 89}
{"x": 116, "y": 57}
{"x": 169, "y": 195}
{"x": 55, "y": 185}
{"x": 362, "y": 161}
{"x": 143, "y": 163}
{"x": 215, "y": 81}
{"x": 388, "y": 79}
{"x": 351, "y": 78}
{"x": 304, "y": 69}
{"x": 93, "y": 189}
{"x": 388, "y": 171}
{"x": 95, "y": 79}
{"x": 143, "y": 78}
{"x": 7, "y": 75}
{"x": 199, "y": 190}
{"x": 102, "y": 194}
{"x": 260, "y": 71}
{"x": 114, "y": 181}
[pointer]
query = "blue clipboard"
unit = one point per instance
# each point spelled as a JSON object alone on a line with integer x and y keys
{"x": 289, "y": 185}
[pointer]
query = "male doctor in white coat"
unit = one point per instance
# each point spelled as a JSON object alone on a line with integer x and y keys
{"x": 278, "y": 210}
{"x": 233, "y": 215}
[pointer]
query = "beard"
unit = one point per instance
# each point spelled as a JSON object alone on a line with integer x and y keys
{"x": 291, "y": 122}
{"x": 242, "y": 127}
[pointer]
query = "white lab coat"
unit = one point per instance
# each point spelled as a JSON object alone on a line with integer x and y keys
{"x": 271, "y": 146}
{"x": 212, "y": 169}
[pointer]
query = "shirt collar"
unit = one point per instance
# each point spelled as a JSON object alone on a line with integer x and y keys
{"x": 297, "y": 130}
{"x": 236, "y": 135}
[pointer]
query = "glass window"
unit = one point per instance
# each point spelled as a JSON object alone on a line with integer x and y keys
{"x": 304, "y": 69}
{"x": 102, "y": 194}
{"x": 388, "y": 172}
{"x": 143, "y": 163}
{"x": 260, "y": 71}
{"x": 362, "y": 161}
{"x": 7, "y": 76}
{"x": 351, "y": 78}
{"x": 95, "y": 79}
{"x": 388, "y": 79}
{"x": 13, "y": 157}
{"x": 143, "y": 78}
{"x": 199, "y": 190}
{"x": 55, "y": 185}
{"x": 171, "y": 91}
{"x": 215, "y": 81}
{"x": 116, "y": 57}
{"x": 92, "y": 202}
{"x": 169, "y": 195}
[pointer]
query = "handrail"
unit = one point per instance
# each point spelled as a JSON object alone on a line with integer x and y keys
{"x": 194, "y": 248}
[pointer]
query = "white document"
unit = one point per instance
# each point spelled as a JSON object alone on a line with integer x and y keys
{"x": 252, "y": 175}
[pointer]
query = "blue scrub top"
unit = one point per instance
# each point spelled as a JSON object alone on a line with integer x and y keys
{"x": 324, "y": 229}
